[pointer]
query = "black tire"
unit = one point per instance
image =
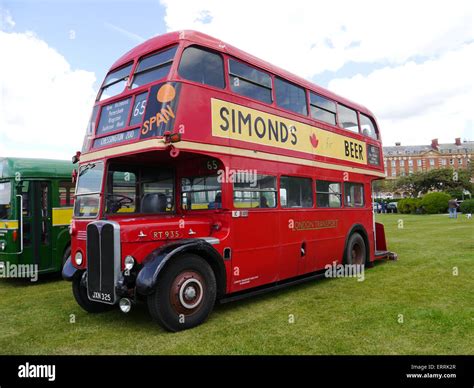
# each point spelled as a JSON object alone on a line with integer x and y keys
{"x": 187, "y": 279}
{"x": 67, "y": 254}
{"x": 80, "y": 294}
{"x": 356, "y": 250}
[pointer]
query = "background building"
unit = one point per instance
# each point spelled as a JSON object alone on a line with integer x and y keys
{"x": 402, "y": 160}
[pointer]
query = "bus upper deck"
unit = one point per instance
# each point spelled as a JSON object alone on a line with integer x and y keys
{"x": 218, "y": 98}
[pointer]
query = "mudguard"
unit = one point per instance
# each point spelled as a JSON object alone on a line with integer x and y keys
{"x": 69, "y": 270}
{"x": 156, "y": 261}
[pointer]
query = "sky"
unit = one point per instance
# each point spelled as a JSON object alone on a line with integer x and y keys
{"x": 409, "y": 62}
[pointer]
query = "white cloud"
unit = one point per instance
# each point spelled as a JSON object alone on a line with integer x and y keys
{"x": 45, "y": 105}
{"x": 6, "y": 20}
{"x": 424, "y": 48}
{"x": 415, "y": 103}
{"x": 310, "y": 37}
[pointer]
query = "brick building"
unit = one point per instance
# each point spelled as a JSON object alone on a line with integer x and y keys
{"x": 402, "y": 160}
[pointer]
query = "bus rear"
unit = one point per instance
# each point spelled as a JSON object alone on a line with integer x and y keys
{"x": 35, "y": 211}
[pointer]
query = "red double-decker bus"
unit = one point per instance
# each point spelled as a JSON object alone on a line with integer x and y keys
{"x": 207, "y": 174}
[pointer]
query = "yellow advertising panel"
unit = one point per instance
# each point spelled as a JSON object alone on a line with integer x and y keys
{"x": 8, "y": 224}
{"x": 62, "y": 216}
{"x": 237, "y": 122}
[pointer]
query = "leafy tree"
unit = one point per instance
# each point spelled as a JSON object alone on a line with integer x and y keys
{"x": 445, "y": 179}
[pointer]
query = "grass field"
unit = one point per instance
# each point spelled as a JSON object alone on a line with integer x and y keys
{"x": 338, "y": 316}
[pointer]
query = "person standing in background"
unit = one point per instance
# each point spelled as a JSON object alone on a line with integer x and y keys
{"x": 452, "y": 207}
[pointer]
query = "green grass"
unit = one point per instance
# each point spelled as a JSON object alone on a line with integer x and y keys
{"x": 332, "y": 316}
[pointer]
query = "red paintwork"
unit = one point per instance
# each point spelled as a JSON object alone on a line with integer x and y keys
{"x": 380, "y": 237}
{"x": 264, "y": 249}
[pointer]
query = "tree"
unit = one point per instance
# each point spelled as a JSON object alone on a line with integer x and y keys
{"x": 446, "y": 179}
{"x": 382, "y": 186}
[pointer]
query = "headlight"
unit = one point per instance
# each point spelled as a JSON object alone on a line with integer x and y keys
{"x": 129, "y": 262}
{"x": 78, "y": 258}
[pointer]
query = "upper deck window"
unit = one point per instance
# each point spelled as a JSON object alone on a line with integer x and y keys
{"x": 153, "y": 67}
{"x": 367, "y": 126}
{"x": 202, "y": 66}
{"x": 348, "y": 118}
{"x": 115, "y": 82}
{"x": 291, "y": 97}
{"x": 250, "y": 82}
{"x": 323, "y": 109}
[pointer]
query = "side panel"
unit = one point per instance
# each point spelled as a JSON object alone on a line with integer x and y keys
{"x": 256, "y": 249}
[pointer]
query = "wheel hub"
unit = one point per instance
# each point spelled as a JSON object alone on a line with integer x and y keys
{"x": 187, "y": 292}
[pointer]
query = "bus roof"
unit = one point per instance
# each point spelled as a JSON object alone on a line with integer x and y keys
{"x": 208, "y": 41}
{"x": 35, "y": 168}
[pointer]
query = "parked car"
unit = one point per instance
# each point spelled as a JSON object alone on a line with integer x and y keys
{"x": 392, "y": 207}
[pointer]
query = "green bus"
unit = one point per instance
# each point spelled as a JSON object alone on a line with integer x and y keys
{"x": 36, "y": 201}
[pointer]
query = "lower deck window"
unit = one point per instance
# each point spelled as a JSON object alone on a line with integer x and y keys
{"x": 257, "y": 192}
{"x": 328, "y": 194}
{"x": 201, "y": 193}
{"x": 353, "y": 194}
{"x": 296, "y": 192}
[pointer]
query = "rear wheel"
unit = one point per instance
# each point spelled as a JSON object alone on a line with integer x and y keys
{"x": 184, "y": 295}
{"x": 356, "y": 250}
{"x": 80, "y": 294}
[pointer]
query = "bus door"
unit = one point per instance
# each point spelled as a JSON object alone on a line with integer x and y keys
{"x": 37, "y": 224}
{"x": 256, "y": 246}
{"x": 298, "y": 237}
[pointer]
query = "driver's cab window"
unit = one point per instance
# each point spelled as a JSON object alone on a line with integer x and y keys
{"x": 139, "y": 190}
{"x": 121, "y": 198}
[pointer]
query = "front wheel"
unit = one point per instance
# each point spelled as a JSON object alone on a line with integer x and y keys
{"x": 80, "y": 294}
{"x": 184, "y": 295}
